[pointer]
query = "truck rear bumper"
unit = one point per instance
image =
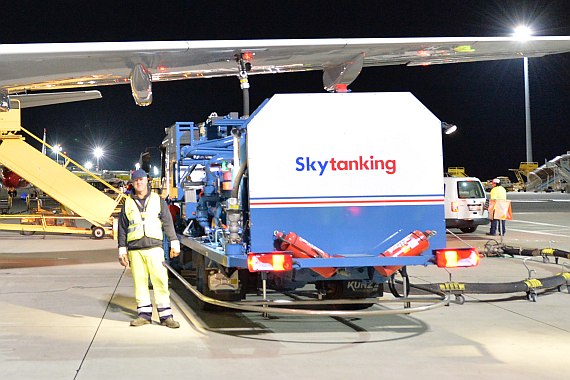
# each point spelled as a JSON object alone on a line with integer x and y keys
{"x": 463, "y": 223}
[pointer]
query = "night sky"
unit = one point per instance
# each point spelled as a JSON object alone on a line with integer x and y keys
{"x": 485, "y": 100}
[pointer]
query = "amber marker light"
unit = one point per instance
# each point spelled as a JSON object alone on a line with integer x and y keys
{"x": 456, "y": 257}
{"x": 269, "y": 262}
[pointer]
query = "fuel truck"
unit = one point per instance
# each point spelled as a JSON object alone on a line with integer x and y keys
{"x": 313, "y": 199}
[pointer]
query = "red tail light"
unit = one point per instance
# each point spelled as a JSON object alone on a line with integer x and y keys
{"x": 456, "y": 257}
{"x": 269, "y": 262}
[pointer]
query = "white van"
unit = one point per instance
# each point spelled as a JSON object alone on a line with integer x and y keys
{"x": 464, "y": 203}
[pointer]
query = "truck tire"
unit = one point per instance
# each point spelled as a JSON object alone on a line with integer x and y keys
{"x": 468, "y": 230}
{"x": 198, "y": 262}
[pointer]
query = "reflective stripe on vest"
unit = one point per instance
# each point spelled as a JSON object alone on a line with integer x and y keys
{"x": 148, "y": 222}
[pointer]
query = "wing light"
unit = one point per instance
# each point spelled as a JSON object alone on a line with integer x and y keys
{"x": 247, "y": 55}
{"x": 464, "y": 49}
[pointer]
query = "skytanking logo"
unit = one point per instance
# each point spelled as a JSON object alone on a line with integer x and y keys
{"x": 335, "y": 164}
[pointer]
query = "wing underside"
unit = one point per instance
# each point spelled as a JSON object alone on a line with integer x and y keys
{"x": 33, "y": 67}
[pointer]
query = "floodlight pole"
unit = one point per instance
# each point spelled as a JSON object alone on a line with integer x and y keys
{"x": 527, "y": 112}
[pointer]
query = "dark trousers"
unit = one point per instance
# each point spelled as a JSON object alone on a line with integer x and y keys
{"x": 502, "y": 227}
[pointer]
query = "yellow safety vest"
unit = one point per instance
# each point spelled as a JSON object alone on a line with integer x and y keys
{"x": 148, "y": 222}
{"x": 498, "y": 193}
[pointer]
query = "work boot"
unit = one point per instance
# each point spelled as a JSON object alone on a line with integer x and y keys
{"x": 139, "y": 322}
{"x": 171, "y": 323}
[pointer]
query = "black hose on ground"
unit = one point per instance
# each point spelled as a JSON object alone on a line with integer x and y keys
{"x": 512, "y": 251}
{"x": 497, "y": 287}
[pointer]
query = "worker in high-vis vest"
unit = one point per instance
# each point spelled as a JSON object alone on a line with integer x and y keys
{"x": 498, "y": 193}
{"x": 143, "y": 221}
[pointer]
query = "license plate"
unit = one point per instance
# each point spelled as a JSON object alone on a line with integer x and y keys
{"x": 474, "y": 207}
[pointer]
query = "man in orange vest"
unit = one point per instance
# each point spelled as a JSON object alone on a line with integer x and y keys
{"x": 498, "y": 192}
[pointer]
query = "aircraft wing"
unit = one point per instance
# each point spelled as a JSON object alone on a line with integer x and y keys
{"x": 32, "y": 67}
{"x": 46, "y": 99}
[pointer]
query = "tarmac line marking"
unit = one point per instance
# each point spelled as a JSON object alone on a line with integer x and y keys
{"x": 538, "y": 223}
{"x": 537, "y": 232}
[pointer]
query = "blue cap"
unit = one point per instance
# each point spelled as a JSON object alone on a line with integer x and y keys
{"x": 139, "y": 173}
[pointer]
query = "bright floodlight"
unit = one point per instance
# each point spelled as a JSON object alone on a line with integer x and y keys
{"x": 522, "y": 32}
{"x": 57, "y": 149}
{"x": 448, "y": 128}
{"x": 88, "y": 165}
{"x": 98, "y": 152}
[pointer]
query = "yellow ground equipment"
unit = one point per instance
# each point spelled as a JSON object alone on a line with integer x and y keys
{"x": 524, "y": 169}
{"x": 84, "y": 200}
{"x": 456, "y": 171}
{"x": 505, "y": 182}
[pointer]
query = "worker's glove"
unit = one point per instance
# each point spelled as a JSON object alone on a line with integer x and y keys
{"x": 174, "y": 248}
{"x": 123, "y": 256}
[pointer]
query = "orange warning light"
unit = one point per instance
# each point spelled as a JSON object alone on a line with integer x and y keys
{"x": 269, "y": 262}
{"x": 456, "y": 257}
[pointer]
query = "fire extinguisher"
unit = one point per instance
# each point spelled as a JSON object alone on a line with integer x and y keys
{"x": 302, "y": 249}
{"x": 412, "y": 245}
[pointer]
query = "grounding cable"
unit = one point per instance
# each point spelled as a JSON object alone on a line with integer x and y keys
{"x": 99, "y": 325}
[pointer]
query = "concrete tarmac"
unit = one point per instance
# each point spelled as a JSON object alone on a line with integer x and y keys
{"x": 66, "y": 303}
